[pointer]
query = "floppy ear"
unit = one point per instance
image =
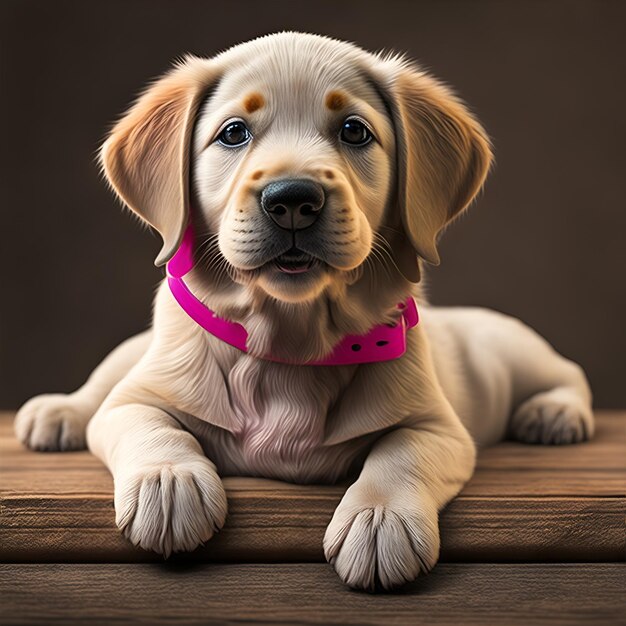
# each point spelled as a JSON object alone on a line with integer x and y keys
{"x": 146, "y": 157}
{"x": 443, "y": 157}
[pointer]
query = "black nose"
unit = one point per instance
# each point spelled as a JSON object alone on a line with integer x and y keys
{"x": 293, "y": 203}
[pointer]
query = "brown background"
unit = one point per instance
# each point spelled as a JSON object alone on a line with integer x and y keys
{"x": 545, "y": 242}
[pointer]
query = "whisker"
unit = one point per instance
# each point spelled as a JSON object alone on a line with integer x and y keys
{"x": 386, "y": 249}
{"x": 214, "y": 261}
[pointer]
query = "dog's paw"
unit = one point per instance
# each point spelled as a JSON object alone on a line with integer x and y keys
{"x": 53, "y": 422}
{"x": 172, "y": 507}
{"x": 557, "y": 417}
{"x": 377, "y": 546}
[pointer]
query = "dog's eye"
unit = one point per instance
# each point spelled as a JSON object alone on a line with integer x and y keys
{"x": 234, "y": 134}
{"x": 355, "y": 133}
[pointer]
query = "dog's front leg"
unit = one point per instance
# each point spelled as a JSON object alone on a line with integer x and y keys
{"x": 168, "y": 496}
{"x": 385, "y": 530}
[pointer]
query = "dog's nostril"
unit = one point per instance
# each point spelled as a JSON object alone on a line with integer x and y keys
{"x": 306, "y": 209}
{"x": 279, "y": 209}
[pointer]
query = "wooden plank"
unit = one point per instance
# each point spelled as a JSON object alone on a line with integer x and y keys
{"x": 268, "y": 527}
{"x": 595, "y": 468}
{"x": 506, "y": 595}
{"x": 63, "y": 510}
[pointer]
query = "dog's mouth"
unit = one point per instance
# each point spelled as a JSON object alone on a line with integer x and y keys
{"x": 295, "y": 261}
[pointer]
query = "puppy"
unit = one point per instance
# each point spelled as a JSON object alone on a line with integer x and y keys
{"x": 307, "y": 180}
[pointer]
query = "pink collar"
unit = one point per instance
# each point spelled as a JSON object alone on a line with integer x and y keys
{"x": 381, "y": 343}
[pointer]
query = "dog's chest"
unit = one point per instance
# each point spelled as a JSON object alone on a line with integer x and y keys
{"x": 281, "y": 413}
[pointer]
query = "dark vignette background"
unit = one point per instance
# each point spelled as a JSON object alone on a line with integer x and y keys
{"x": 545, "y": 242}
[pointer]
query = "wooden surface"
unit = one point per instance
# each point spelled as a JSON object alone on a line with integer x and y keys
{"x": 480, "y": 594}
{"x": 537, "y": 537}
{"x": 525, "y": 503}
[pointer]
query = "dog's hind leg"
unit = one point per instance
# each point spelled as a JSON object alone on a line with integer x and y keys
{"x": 552, "y": 398}
{"x": 59, "y": 421}
{"x": 503, "y": 379}
{"x": 558, "y": 415}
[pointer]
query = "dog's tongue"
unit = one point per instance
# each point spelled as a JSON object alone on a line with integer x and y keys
{"x": 294, "y": 262}
{"x": 294, "y": 270}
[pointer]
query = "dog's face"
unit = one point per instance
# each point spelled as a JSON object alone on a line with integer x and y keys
{"x": 292, "y": 166}
{"x": 301, "y": 159}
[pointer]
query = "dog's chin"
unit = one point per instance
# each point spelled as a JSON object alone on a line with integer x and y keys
{"x": 296, "y": 276}
{"x": 293, "y": 282}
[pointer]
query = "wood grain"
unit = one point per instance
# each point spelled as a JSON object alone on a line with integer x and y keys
{"x": 274, "y": 528}
{"x": 481, "y": 594}
{"x": 524, "y": 503}
{"x": 595, "y": 468}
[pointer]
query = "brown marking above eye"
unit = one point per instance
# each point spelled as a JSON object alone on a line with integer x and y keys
{"x": 329, "y": 174}
{"x": 335, "y": 100}
{"x": 253, "y": 102}
{"x": 256, "y": 175}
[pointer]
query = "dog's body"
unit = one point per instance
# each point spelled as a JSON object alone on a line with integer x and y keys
{"x": 176, "y": 407}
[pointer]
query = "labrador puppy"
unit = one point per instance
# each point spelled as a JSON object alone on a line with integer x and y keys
{"x": 308, "y": 181}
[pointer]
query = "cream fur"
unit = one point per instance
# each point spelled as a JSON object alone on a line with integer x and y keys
{"x": 172, "y": 410}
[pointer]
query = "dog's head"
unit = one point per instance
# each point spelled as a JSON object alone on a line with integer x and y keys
{"x": 300, "y": 160}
